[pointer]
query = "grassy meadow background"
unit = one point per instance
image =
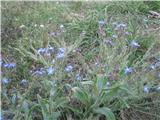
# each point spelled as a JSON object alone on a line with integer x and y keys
{"x": 80, "y": 60}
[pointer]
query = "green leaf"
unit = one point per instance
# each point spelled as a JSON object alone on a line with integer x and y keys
{"x": 44, "y": 107}
{"x": 105, "y": 111}
{"x": 87, "y": 82}
{"x": 100, "y": 83}
{"x": 55, "y": 115}
{"x": 81, "y": 95}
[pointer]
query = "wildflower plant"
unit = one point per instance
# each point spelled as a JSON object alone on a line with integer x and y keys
{"x": 77, "y": 65}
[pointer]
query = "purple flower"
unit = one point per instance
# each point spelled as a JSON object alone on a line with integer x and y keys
{"x": 128, "y": 70}
{"x": 126, "y": 33}
{"x": 48, "y": 54}
{"x": 109, "y": 42}
{"x": 50, "y": 70}
{"x": 68, "y": 68}
{"x": 52, "y": 34}
{"x": 134, "y": 44}
{"x": 145, "y": 89}
{"x": 9, "y": 65}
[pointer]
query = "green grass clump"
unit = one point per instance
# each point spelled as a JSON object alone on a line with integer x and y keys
{"x": 97, "y": 42}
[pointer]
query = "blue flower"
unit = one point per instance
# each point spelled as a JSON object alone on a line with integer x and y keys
{"x": 48, "y": 50}
{"x": 158, "y": 89}
{"x": 9, "y": 65}
{"x": 114, "y": 36}
{"x": 48, "y": 54}
{"x": 157, "y": 64}
{"x": 41, "y": 71}
{"x": 50, "y": 70}
{"x": 101, "y": 23}
{"x": 24, "y": 82}
{"x": 6, "y": 81}
{"x": 78, "y": 76}
{"x": 61, "y": 50}
{"x": 152, "y": 67}
{"x": 126, "y": 33}
{"x": 60, "y": 53}
{"x": 1, "y": 62}
{"x": 158, "y": 75}
{"x": 51, "y": 49}
{"x": 145, "y": 89}
{"x": 41, "y": 50}
{"x": 109, "y": 42}
{"x": 69, "y": 68}
{"x": 128, "y": 70}
{"x": 52, "y": 34}
{"x": 97, "y": 64}
{"x": 134, "y": 44}
{"x": 38, "y": 72}
{"x": 108, "y": 84}
{"x": 1, "y": 117}
{"x": 120, "y": 26}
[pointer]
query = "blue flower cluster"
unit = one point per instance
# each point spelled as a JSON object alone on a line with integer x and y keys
{"x": 128, "y": 70}
{"x": 9, "y": 65}
{"x": 119, "y": 26}
{"x": 5, "y": 81}
{"x": 61, "y": 53}
{"x": 68, "y": 68}
{"x": 134, "y": 44}
{"x": 43, "y": 71}
{"x": 49, "y": 49}
{"x": 50, "y": 70}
